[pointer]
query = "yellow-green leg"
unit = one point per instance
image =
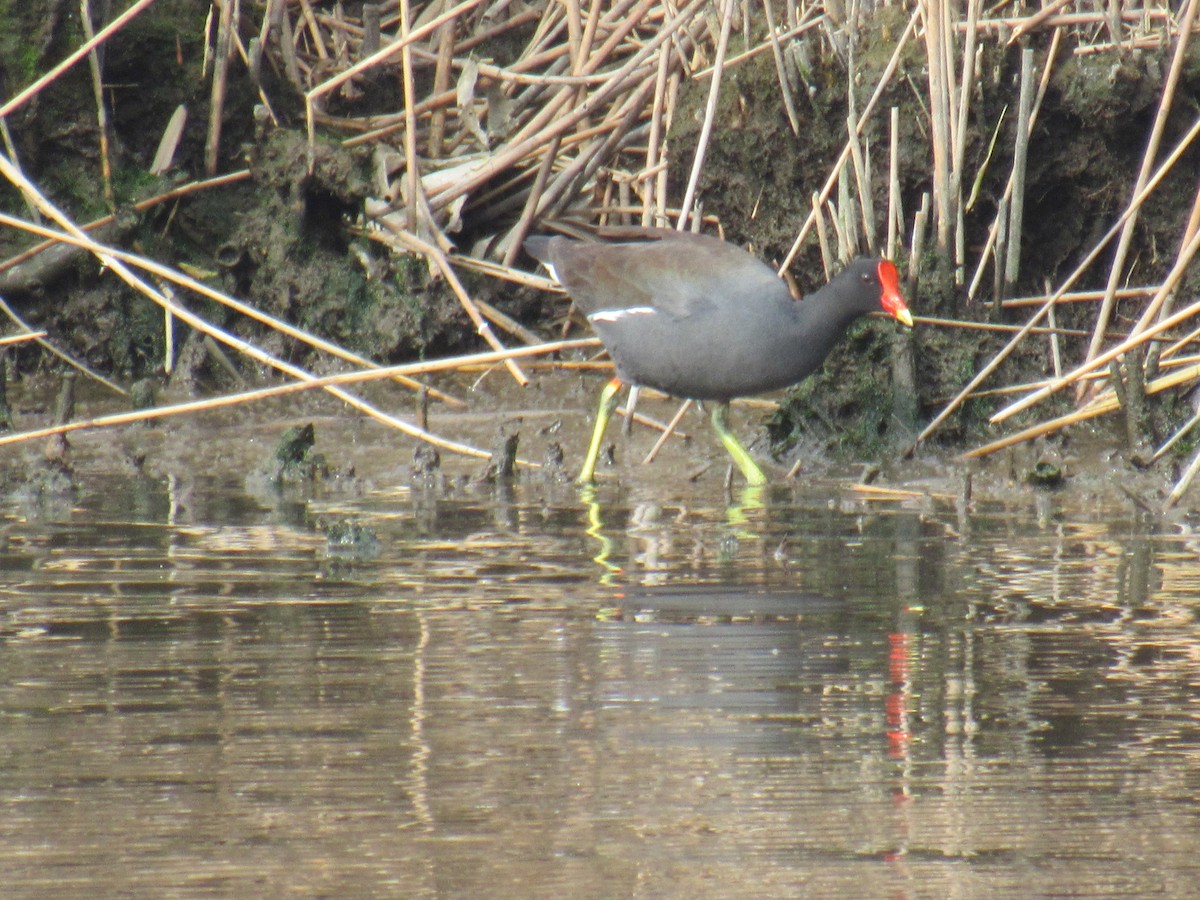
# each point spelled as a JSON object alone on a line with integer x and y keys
{"x": 754, "y": 475}
{"x": 608, "y": 403}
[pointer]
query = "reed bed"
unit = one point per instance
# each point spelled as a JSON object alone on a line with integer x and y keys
{"x": 507, "y": 116}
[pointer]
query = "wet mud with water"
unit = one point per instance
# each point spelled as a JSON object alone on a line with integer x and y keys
{"x": 654, "y": 688}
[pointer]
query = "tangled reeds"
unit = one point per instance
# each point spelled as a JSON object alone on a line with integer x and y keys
{"x": 486, "y": 118}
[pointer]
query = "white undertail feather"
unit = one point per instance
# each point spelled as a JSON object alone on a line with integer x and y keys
{"x": 614, "y": 315}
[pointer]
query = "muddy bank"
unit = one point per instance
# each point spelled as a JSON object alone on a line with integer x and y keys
{"x": 289, "y": 237}
{"x": 353, "y": 455}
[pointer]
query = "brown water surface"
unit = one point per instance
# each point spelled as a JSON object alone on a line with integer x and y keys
{"x": 652, "y": 691}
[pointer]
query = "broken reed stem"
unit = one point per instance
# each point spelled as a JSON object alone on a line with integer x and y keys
{"x": 79, "y": 53}
{"x": 862, "y": 181}
{"x": 328, "y": 382}
{"x": 789, "y": 105}
{"x": 710, "y": 112}
{"x": 1016, "y": 210}
{"x": 935, "y": 13}
{"x": 894, "y": 215}
{"x": 140, "y": 206}
{"x": 185, "y": 281}
{"x": 21, "y": 338}
{"x": 835, "y": 171}
{"x": 1095, "y": 252}
{"x": 46, "y": 345}
{"x": 1116, "y": 272}
{"x": 85, "y": 17}
{"x": 224, "y": 50}
{"x": 1036, "y": 20}
{"x": 1136, "y": 340}
{"x": 434, "y": 253}
{"x": 994, "y": 243}
{"x": 667, "y": 432}
{"x": 1103, "y": 403}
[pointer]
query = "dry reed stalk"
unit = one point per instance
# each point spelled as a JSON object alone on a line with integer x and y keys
{"x": 655, "y": 146}
{"x": 1167, "y": 357}
{"x": 435, "y": 254}
{"x": 936, "y": 14}
{"x": 920, "y": 229}
{"x": 1029, "y": 386}
{"x": 1036, "y": 20}
{"x": 894, "y": 212}
{"x": 1154, "y": 357}
{"x": 548, "y": 126}
{"x": 444, "y": 37}
{"x": 1137, "y": 340}
{"x": 1070, "y": 20}
{"x": 875, "y": 492}
{"x": 789, "y": 104}
{"x": 1116, "y": 272}
{"x": 46, "y": 345}
{"x": 383, "y": 54}
{"x": 1091, "y": 257}
{"x": 828, "y": 261}
{"x": 710, "y": 112}
{"x": 1102, "y": 403}
{"x": 21, "y": 338}
{"x": 411, "y": 163}
{"x": 79, "y": 53}
{"x": 832, "y": 178}
{"x": 618, "y": 124}
{"x": 1016, "y": 210}
{"x": 508, "y": 323}
{"x": 661, "y": 179}
{"x": 85, "y": 17}
{"x": 1055, "y": 346}
{"x": 328, "y": 382}
{"x": 224, "y": 49}
{"x": 994, "y": 240}
{"x": 1077, "y": 297}
{"x": 140, "y": 206}
{"x": 966, "y": 88}
{"x": 667, "y": 432}
{"x": 862, "y": 182}
{"x": 968, "y": 325}
{"x": 189, "y": 283}
{"x": 313, "y": 30}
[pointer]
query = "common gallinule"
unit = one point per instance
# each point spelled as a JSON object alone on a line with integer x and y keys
{"x": 699, "y": 318}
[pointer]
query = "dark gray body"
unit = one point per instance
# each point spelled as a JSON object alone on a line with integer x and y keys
{"x": 696, "y": 317}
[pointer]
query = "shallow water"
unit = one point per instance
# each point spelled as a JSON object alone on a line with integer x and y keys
{"x": 650, "y": 691}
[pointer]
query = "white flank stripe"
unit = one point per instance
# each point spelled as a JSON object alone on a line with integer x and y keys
{"x": 615, "y": 315}
{"x": 553, "y": 273}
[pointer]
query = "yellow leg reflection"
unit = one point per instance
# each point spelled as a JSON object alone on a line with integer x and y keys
{"x": 744, "y": 512}
{"x": 595, "y": 529}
